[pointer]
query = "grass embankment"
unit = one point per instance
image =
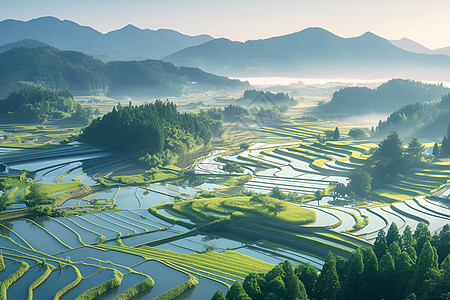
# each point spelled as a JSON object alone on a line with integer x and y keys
{"x": 13, "y": 278}
{"x": 242, "y": 206}
{"x": 137, "y": 179}
{"x": 70, "y": 285}
{"x": 178, "y": 290}
{"x": 225, "y": 264}
{"x": 98, "y": 290}
{"x": 135, "y": 289}
{"x": 39, "y": 281}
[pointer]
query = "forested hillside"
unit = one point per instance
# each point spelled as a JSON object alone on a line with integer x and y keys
{"x": 83, "y": 74}
{"x": 36, "y": 105}
{"x": 386, "y": 98}
{"x": 266, "y": 99}
{"x": 428, "y": 119}
{"x": 151, "y": 129}
{"x": 400, "y": 266}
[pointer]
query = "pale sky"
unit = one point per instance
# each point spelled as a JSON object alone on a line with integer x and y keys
{"x": 426, "y": 22}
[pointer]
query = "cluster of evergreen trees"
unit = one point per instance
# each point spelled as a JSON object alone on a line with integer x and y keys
{"x": 388, "y": 160}
{"x": 37, "y": 105}
{"x": 268, "y": 99}
{"x": 444, "y": 150}
{"x": 424, "y": 119}
{"x": 147, "y": 129}
{"x": 391, "y": 270}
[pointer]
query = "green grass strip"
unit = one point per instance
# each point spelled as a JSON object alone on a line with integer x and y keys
{"x": 78, "y": 235}
{"x": 137, "y": 221}
{"x": 83, "y": 227}
{"x": 135, "y": 289}
{"x": 178, "y": 290}
{"x": 95, "y": 224}
{"x": 62, "y": 243}
{"x": 70, "y": 285}
{"x": 102, "y": 288}
{"x": 18, "y": 237}
{"x": 112, "y": 222}
{"x": 39, "y": 281}
{"x": 114, "y": 198}
{"x": 139, "y": 200}
{"x": 13, "y": 278}
{"x": 2, "y": 262}
{"x": 126, "y": 222}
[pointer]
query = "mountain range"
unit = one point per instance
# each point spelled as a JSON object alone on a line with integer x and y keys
{"x": 127, "y": 43}
{"x": 412, "y": 46}
{"x": 312, "y": 52}
{"x": 83, "y": 74}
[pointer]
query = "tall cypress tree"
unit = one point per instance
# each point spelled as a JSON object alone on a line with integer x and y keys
{"x": 355, "y": 269}
{"x": 407, "y": 237}
{"x": 308, "y": 276}
{"x": 393, "y": 235}
{"x": 369, "y": 278}
{"x": 328, "y": 285}
{"x": 426, "y": 269}
{"x": 387, "y": 274}
{"x": 404, "y": 267}
{"x": 380, "y": 244}
{"x": 435, "y": 150}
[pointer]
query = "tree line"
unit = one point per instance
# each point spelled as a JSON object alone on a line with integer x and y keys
{"x": 154, "y": 131}
{"x": 399, "y": 266}
{"x": 37, "y": 105}
{"x": 387, "y": 161}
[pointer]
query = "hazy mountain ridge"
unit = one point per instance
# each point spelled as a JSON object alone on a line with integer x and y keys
{"x": 127, "y": 43}
{"x": 412, "y": 46}
{"x": 83, "y": 74}
{"x": 386, "y": 98}
{"x": 26, "y": 43}
{"x": 312, "y": 52}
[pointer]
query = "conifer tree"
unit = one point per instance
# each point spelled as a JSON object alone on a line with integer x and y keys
{"x": 308, "y": 276}
{"x": 328, "y": 285}
{"x": 355, "y": 269}
{"x": 387, "y": 271}
{"x": 407, "y": 237}
{"x": 436, "y": 150}
{"x": 393, "y": 235}
{"x": 368, "y": 287}
{"x": 380, "y": 244}
{"x": 336, "y": 134}
{"x": 404, "y": 267}
{"x": 295, "y": 289}
{"x": 426, "y": 269}
{"x": 237, "y": 292}
{"x": 218, "y": 296}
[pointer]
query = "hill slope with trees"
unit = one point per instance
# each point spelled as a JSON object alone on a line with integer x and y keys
{"x": 83, "y": 74}
{"x": 152, "y": 131}
{"x": 427, "y": 119}
{"x": 36, "y": 105}
{"x": 386, "y": 98}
